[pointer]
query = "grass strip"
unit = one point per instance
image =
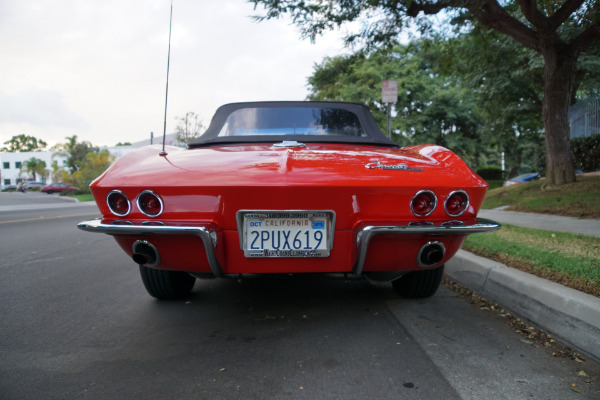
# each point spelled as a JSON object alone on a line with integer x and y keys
{"x": 84, "y": 197}
{"x": 569, "y": 259}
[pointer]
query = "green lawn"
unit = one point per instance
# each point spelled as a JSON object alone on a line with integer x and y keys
{"x": 579, "y": 199}
{"x": 573, "y": 260}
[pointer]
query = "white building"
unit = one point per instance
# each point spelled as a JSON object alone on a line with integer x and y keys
{"x": 11, "y": 172}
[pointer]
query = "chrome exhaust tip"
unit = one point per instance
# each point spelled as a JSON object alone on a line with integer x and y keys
{"x": 145, "y": 253}
{"x": 431, "y": 254}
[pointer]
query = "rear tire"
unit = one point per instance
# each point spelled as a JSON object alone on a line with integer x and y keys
{"x": 419, "y": 284}
{"x": 167, "y": 285}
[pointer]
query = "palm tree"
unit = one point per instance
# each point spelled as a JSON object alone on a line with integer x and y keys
{"x": 34, "y": 166}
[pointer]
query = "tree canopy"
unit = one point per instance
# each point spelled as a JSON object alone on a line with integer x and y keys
{"x": 35, "y": 167}
{"x": 91, "y": 167}
{"x": 75, "y": 151}
{"x": 560, "y": 32}
{"x": 23, "y": 143}
{"x": 430, "y": 108}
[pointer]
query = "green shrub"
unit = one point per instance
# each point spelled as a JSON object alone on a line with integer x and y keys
{"x": 491, "y": 173}
{"x": 586, "y": 153}
{"x": 495, "y": 183}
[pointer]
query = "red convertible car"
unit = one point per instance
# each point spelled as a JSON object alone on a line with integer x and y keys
{"x": 290, "y": 187}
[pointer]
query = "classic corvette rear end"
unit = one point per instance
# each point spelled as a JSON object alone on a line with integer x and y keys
{"x": 290, "y": 187}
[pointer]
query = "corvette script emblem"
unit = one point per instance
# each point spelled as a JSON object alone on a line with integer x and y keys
{"x": 402, "y": 167}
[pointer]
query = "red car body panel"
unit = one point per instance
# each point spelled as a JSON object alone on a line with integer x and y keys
{"x": 209, "y": 185}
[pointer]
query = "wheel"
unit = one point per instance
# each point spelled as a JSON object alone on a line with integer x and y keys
{"x": 50, "y": 192}
{"x": 419, "y": 284}
{"x": 167, "y": 285}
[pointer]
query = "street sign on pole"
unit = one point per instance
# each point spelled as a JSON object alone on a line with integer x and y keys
{"x": 389, "y": 95}
{"x": 389, "y": 92}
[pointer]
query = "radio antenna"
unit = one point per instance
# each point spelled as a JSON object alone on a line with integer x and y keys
{"x": 163, "y": 152}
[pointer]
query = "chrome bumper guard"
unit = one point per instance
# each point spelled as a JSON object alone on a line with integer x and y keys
{"x": 363, "y": 238}
{"x": 365, "y": 235}
{"x": 208, "y": 236}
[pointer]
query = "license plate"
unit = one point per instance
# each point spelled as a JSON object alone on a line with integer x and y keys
{"x": 287, "y": 233}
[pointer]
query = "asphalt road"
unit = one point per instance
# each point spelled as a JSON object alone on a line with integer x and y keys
{"x": 76, "y": 322}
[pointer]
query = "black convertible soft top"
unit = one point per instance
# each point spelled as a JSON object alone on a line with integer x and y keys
{"x": 353, "y": 123}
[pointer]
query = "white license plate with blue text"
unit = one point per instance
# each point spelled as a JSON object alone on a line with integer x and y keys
{"x": 287, "y": 234}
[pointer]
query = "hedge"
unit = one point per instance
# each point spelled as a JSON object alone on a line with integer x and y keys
{"x": 491, "y": 173}
{"x": 586, "y": 153}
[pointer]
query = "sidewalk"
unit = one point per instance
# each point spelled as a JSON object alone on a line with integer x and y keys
{"x": 590, "y": 227}
{"x": 569, "y": 315}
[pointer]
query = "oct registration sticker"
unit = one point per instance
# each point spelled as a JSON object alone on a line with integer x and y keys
{"x": 287, "y": 234}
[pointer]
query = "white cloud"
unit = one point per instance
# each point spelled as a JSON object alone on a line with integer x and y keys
{"x": 98, "y": 69}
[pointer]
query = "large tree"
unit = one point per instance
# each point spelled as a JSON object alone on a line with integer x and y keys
{"x": 560, "y": 32}
{"x": 430, "y": 108}
{"x": 508, "y": 95}
{"x": 75, "y": 151}
{"x": 22, "y": 143}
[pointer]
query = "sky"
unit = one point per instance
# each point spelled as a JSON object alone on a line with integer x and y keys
{"x": 98, "y": 69}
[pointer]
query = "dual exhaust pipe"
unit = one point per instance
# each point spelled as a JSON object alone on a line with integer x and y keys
{"x": 145, "y": 253}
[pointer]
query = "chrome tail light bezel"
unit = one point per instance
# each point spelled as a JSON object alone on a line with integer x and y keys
{"x": 465, "y": 203}
{"x": 139, "y": 201}
{"x": 433, "y": 198}
{"x": 110, "y": 206}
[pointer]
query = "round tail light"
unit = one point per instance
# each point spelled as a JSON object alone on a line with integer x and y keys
{"x": 423, "y": 203}
{"x": 149, "y": 203}
{"x": 456, "y": 203}
{"x": 118, "y": 203}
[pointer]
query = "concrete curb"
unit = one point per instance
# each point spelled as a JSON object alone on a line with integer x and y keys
{"x": 571, "y": 316}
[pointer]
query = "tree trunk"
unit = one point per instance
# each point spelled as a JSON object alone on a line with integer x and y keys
{"x": 560, "y": 64}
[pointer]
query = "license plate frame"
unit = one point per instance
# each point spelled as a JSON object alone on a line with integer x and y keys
{"x": 305, "y": 227}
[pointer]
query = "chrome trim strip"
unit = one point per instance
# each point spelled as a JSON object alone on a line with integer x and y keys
{"x": 96, "y": 225}
{"x": 290, "y": 144}
{"x": 367, "y": 233}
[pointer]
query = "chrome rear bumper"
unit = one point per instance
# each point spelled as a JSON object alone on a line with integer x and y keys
{"x": 367, "y": 233}
{"x": 364, "y": 235}
{"x": 208, "y": 236}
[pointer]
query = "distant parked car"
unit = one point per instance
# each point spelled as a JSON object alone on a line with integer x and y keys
{"x": 522, "y": 178}
{"x": 32, "y": 184}
{"x": 9, "y": 188}
{"x": 57, "y": 187}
